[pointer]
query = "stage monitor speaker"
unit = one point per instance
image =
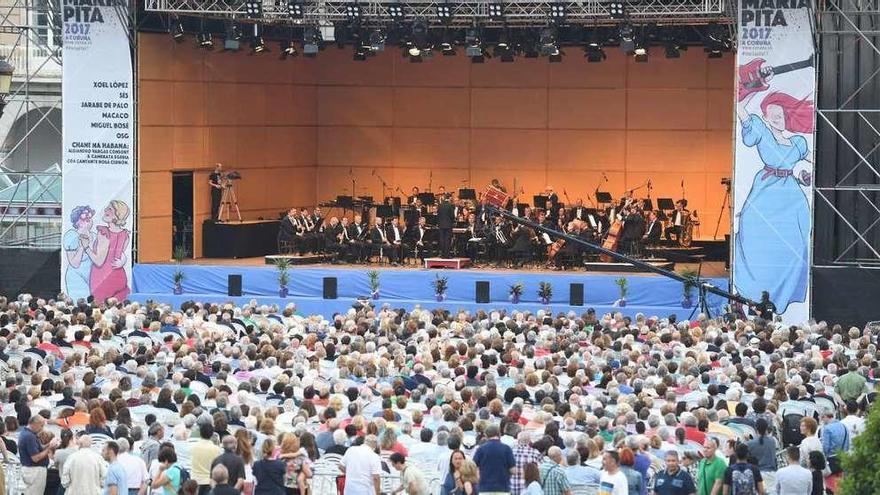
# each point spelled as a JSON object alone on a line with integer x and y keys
{"x": 233, "y": 286}
{"x": 576, "y": 295}
{"x": 329, "y": 287}
{"x": 482, "y": 292}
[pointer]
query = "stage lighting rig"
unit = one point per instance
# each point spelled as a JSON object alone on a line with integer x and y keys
{"x": 717, "y": 40}
{"x": 627, "y": 41}
{"x": 395, "y": 11}
{"x": 232, "y": 40}
{"x": 617, "y": 10}
{"x": 205, "y": 40}
{"x": 473, "y": 42}
{"x": 295, "y": 9}
{"x": 254, "y": 8}
{"x": 496, "y": 11}
{"x": 353, "y": 12}
{"x": 312, "y": 41}
{"x": 176, "y": 29}
{"x": 641, "y": 54}
{"x": 288, "y": 49}
{"x": 558, "y": 12}
{"x": 444, "y": 12}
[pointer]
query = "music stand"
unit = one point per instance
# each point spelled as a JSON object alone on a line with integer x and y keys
{"x": 647, "y": 204}
{"x": 467, "y": 194}
{"x": 384, "y": 211}
{"x": 665, "y": 204}
{"x": 603, "y": 197}
{"x": 411, "y": 217}
{"x": 345, "y": 202}
{"x": 540, "y": 201}
{"x": 366, "y": 199}
{"x": 427, "y": 198}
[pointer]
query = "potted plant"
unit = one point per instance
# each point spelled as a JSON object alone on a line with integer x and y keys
{"x": 440, "y": 285}
{"x": 691, "y": 282}
{"x": 283, "y": 267}
{"x": 545, "y": 292}
{"x": 179, "y": 254}
{"x": 516, "y": 291}
{"x": 373, "y": 276}
{"x": 622, "y": 288}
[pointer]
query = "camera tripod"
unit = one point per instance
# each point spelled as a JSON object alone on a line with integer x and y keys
{"x": 725, "y": 205}
{"x": 228, "y": 203}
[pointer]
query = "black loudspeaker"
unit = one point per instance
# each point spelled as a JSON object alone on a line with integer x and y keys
{"x": 329, "y": 287}
{"x": 482, "y": 292}
{"x": 576, "y": 294}
{"x": 233, "y": 286}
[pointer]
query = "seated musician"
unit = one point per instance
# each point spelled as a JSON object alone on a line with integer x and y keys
{"x": 417, "y": 237}
{"x": 544, "y": 221}
{"x": 357, "y": 234}
{"x": 500, "y": 239}
{"x": 578, "y": 212}
{"x": 303, "y": 242}
{"x": 379, "y": 239}
{"x": 289, "y": 228}
{"x": 653, "y": 229}
{"x": 395, "y": 238}
{"x": 570, "y": 251}
{"x": 474, "y": 236}
{"x": 333, "y": 238}
{"x": 411, "y": 200}
{"x": 633, "y": 230}
{"x": 312, "y": 238}
{"x": 521, "y": 244}
{"x": 676, "y": 221}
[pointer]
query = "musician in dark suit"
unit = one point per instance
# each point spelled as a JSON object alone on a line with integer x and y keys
{"x": 289, "y": 228}
{"x": 633, "y": 230}
{"x": 395, "y": 238}
{"x": 356, "y": 237}
{"x": 474, "y": 237}
{"x": 500, "y": 239}
{"x": 379, "y": 239}
{"x": 552, "y": 199}
{"x": 411, "y": 200}
{"x": 578, "y": 212}
{"x": 311, "y": 238}
{"x": 333, "y": 238}
{"x": 653, "y": 229}
{"x": 215, "y": 181}
{"x": 445, "y": 222}
{"x": 521, "y": 244}
{"x": 676, "y": 220}
{"x": 417, "y": 237}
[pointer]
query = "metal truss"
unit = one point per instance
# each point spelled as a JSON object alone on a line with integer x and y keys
{"x": 516, "y": 13}
{"x": 850, "y": 121}
{"x": 30, "y": 33}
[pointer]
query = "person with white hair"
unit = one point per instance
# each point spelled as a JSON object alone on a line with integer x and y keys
{"x": 84, "y": 470}
{"x": 362, "y": 468}
{"x": 135, "y": 469}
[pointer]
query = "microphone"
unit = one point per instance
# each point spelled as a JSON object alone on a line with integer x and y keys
{"x": 604, "y": 176}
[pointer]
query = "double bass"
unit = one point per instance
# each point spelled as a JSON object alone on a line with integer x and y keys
{"x": 611, "y": 240}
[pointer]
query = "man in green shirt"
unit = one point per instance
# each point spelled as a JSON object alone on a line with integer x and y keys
{"x": 710, "y": 471}
{"x": 851, "y": 386}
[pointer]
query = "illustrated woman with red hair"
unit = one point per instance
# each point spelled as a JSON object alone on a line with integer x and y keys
{"x": 771, "y": 251}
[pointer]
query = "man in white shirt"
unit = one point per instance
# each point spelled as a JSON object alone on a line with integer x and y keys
{"x": 412, "y": 480}
{"x": 135, "y": 469}
{"x": 853, "y": 422}
{"x": 362, "y": 468}
{"x": 85, "y": 470}
{"x": 612, "y": 481}
{"x": 793, "y": 479}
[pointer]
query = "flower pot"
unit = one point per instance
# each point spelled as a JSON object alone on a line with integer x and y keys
{"x": 620, "y": 303}
{"x": 687, "y": 302}
{"x": 545, "y": 300}
{"x": 440, "y": 297}
{"x": 178, "y": 289}
{"x": 375, "y": 294}
{"x": 282, "y": 291}
{"x": 514, "y": 298}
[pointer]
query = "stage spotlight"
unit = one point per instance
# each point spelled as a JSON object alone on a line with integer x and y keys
{"x": 496, "y": 11}
{"x": 257, "y": 43}
{"x": 444, "y": 12}
{"x": 558, "y": 12}
{"x": 312, "y": 41}
{"x": 232, "y": 40}
{"x": 295, "y": 9}
{"x": 447, "y": 46}
{"x": 504, "y": 50}
{"x": 473, "y": 42}
{"x": 205, "y": 40}
{"x": 617, "y": 10}
{"x": 549, "y": 42}
{"x": 175, "y": 28}
{"x": 641, "y": 54}
{"x": 627, "y": 43}
{"x": 361, "y": 52}
{"x": 352, "y": 12}
{"x": 395, "y": 11}
{"x": 594, "y": 53}
{"x": 672, "y": 51}
{"x": 254, "y": 8}
{"x": 288, "y": 49}
{"x": 717, "y": 40}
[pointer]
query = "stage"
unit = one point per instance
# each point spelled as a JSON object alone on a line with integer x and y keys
{"x": 407, "y": 287}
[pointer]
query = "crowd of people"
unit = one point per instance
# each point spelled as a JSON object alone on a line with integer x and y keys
{"x": 124, "y": 398}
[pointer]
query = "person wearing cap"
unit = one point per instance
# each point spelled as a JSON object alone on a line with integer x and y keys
{"x": 412, "y": 480}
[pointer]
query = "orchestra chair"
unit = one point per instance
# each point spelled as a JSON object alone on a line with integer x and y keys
{"x": 285, "y": 245}
{"x": 378, "y": 250}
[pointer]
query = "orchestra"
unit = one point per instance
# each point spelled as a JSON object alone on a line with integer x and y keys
{"x": 437, "y": 224}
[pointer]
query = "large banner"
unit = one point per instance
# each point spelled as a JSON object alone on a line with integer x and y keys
{"x": 98, "y": 150}
{"x": 776, "y": 84}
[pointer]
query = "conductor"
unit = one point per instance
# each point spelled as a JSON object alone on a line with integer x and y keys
{"x": 445, "y": 222}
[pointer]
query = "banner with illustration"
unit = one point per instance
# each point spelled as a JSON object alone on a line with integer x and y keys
{"x": 775, "y": 110}
{"x": 97, "y": 150}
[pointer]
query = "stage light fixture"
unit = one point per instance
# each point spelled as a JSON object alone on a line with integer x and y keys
{"x": 594, "y": 53}
{"x": 361, "y": 52}
{"x": 312, "y": 41}
{"x": 717, "y": 40}
{"x": 295, "y": 9}
{"x": 627, "y": 41}
{"x": 395, "y": 11}
{"x": 617, "y": 10}
{"x": 258, "y": 45}
{"x": 254, "y": 8}
{"x": 504, "y": 50}
{"x": 672, "y": 51}
{"x": 232, "y": 39}
{"x": 205, "y": 40}
{"x": 496, "y": 11}
{"x": 558, "y": 12}
{"x": 175, "y": 28}
{"x": 444, "y": 12}
{"x": 352, "y": 12}
{"x": 641, "y": 54}
{"x": 474, "y": 43}
{"x": 377, "y": 40}
{"x": 447, "y": 46}
{"x": 549, "y": 42}
{"x": 288, "y": 49}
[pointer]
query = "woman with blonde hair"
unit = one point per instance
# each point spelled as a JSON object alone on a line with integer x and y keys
{"x": 469, "y": 478}
{"x": 107, "y": 253}
{"x": 297, "y": 465}
{"x": 269, "y": 472}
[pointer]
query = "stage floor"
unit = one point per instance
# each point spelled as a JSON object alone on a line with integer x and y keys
{"x": 405, "y": 287}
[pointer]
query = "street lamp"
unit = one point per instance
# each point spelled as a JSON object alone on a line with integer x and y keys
{"x": 6, "y": 70}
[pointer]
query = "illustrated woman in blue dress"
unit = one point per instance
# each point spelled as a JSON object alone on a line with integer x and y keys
{"x": 76, "y": 241}
{"x": 771, "y": 251}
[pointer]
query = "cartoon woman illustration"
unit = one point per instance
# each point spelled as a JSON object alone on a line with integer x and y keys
{"x": 76, "y": 240}
{"x": 774, "y": 223}
{"x": 108, "y": 278}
